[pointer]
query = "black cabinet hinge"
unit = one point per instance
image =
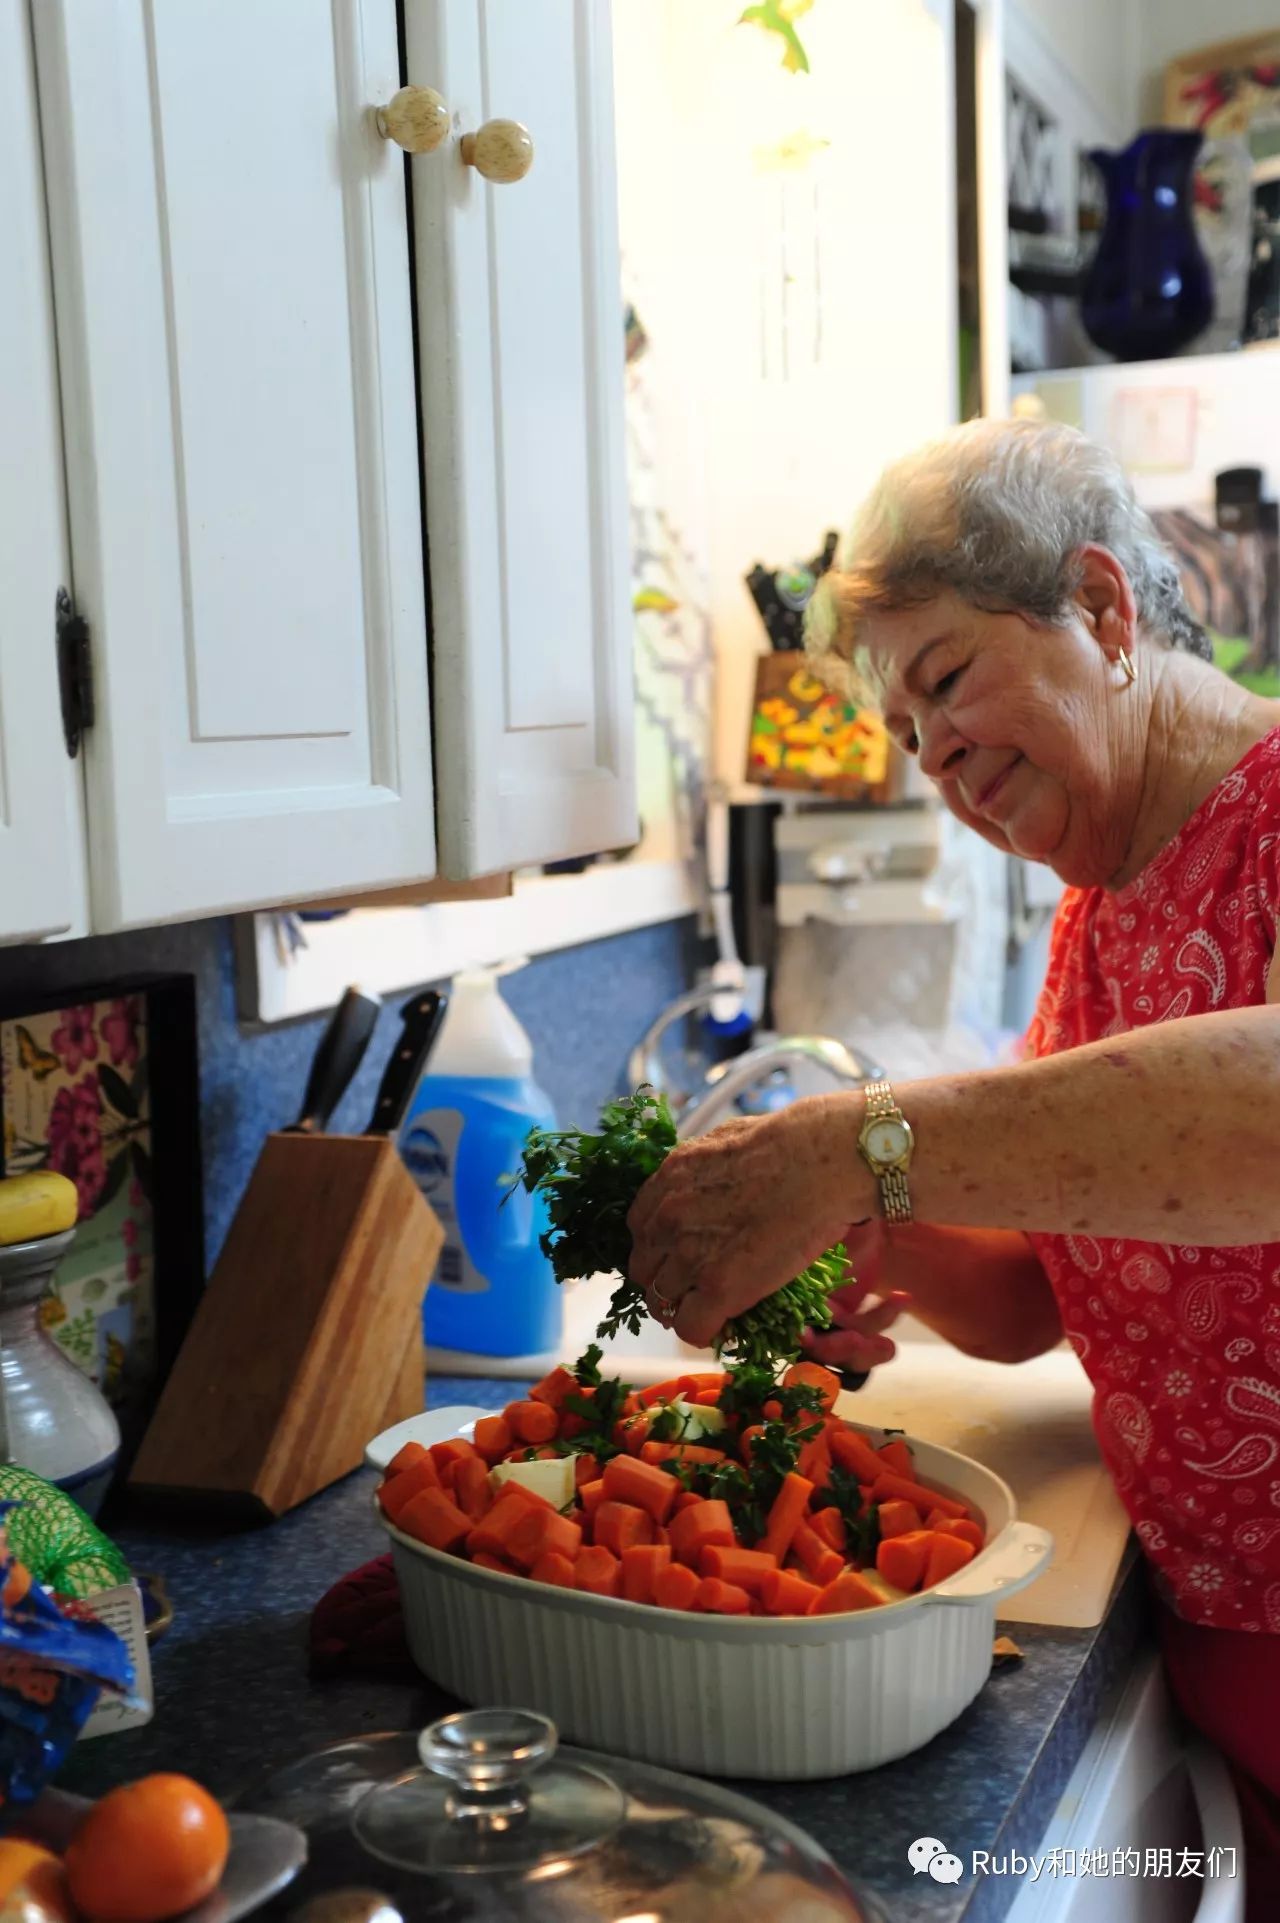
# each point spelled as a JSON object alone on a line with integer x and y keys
{"x": 75, "y": 671}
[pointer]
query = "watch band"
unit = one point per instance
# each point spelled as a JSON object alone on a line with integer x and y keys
{"x": 895, "y": 1196}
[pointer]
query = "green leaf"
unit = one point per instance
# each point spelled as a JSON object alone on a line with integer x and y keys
{"x": 140, "y": 1084}
{"x": 118, "y": 1092}
{"x": 587, "y": 1367}
{"x": 862, "y": 1523}
{"x": 601, "y": 1410}
{"x": 78, "y": 1337}
{"x": 141, "y": 1164}
{"x": 772, "y": 18}
{"x": 745, "y": 1393}
{"x": 117, "y": 1169}
{"x": 667, "y": 1426}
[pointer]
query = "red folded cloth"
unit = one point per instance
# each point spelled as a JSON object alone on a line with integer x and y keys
{"x": 358, "y": 1628}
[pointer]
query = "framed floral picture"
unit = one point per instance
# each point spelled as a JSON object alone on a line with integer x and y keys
{"x": 101, "y": 1086}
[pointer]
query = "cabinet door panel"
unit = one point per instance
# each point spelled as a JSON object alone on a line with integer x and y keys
{"x": 521, "y": 369}
{"x": 238, "y": 388}
{"x": 245, "y": 505}
{"x": 41, "y": 831}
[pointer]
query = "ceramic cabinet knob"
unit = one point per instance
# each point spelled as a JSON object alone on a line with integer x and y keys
{"x": 501, "y": 150}
{"x": 416, "y": 118}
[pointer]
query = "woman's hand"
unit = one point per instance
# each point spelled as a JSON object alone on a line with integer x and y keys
{"x": 856, "y": 1340}
{"x": 735, "y": 1214}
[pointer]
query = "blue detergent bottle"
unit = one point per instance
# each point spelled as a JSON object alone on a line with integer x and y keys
{"x": 493, "y": 1292}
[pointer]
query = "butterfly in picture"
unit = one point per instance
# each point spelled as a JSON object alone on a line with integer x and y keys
{"x": 38, "y": 1061}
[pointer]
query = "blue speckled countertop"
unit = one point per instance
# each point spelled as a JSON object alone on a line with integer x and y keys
{"x": 233, "y": 1698}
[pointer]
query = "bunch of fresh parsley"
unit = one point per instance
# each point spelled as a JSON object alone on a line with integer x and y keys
{"x": 589, "y": 1183}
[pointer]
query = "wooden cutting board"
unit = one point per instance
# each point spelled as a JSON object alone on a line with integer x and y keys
{"x": 308, "y": 1339}
{"x": 1030, "y": 1424}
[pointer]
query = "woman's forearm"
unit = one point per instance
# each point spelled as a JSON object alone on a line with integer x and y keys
{"x": 1165, "y": 1134}
{"x": 982, "y": 1290}
{"x": 1169, "y": 1133}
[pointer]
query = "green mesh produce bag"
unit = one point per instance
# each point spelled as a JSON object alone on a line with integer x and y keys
{"x": 53, "y": 1537}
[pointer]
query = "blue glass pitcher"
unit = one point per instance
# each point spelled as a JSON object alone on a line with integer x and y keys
{"x": 1148, "y": 290}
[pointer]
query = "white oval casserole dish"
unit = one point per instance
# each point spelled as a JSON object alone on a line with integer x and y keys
{"x": 784, "y": 1698}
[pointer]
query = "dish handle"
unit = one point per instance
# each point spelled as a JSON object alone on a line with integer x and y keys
{"x": 1014, "y": 1559}
{"x": 433, "y": 1425}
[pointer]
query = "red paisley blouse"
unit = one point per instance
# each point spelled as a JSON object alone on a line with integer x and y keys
{"x": 1182, "y": 1345}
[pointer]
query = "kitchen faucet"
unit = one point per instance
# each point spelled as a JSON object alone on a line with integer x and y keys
{"x": 698, "y": 1110}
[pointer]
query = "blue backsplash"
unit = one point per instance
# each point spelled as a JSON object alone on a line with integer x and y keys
{"x": 584, "y": 1008}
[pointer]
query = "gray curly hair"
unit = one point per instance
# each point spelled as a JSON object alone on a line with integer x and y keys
{"x": 997, "y": 512}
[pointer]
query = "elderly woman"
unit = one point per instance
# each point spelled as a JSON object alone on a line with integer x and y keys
{"x": 1007, "y": 605}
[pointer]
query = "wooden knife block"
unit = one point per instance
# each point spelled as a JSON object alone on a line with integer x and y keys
{"x": 308, "y": 1339}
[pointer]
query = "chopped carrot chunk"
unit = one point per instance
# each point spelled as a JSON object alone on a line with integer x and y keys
{"x": 898, "y": 1518}
{"x": 641, "y": 1567}
{"x": 598, "y": 1572}
{"x": 675, "y": 1586}
{"x": 435, "y": 1519}
{"x": 555, "y": 1569}
{"x": 405, "y": 1458}
{"x": 947, "y": 1555}
{"x": 718, "y": 1598}
{"x": 849, "y": 1591}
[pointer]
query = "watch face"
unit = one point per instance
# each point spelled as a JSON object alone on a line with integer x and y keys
{"x": 887, "y": 1141}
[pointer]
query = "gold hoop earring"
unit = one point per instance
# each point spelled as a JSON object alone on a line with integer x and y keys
{"x": 1126, "y": 662}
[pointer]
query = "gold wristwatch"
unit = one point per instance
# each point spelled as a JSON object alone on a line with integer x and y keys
{"x": 886, "y": 1144}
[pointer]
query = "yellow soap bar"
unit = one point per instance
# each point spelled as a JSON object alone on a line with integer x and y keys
{"x": 35, "y": 1205}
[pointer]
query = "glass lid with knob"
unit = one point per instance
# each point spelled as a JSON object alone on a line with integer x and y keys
{"x": 492, "y": 1797}
{"x": 484, "y": 1816}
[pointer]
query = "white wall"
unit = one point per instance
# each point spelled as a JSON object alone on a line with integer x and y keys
{"x": 861, "y": 240}
{"x": 1167, "y": 28}
{"x": 1098, "y": 67}
{"x": 1097, "y": 41}
{"x": 1116, "y": 50}
{"x": 1091, "y": 97}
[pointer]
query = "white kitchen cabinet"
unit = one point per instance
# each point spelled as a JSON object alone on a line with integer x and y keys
{"x": 42, "y": 874}
{"x": 230, "y": 254}
{"x": 521, "y": 367}
{"x": 230, "y": 346}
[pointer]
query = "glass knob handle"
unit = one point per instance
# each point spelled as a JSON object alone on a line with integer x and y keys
{"x": 488, "y": 1750}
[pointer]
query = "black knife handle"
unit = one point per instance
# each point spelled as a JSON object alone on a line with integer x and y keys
{"x": 336, "y": 1060}
{"x": 422, "y": 1016}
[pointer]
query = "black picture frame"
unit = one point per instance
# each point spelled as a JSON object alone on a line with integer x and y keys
{"x": 176, "y": 1179}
